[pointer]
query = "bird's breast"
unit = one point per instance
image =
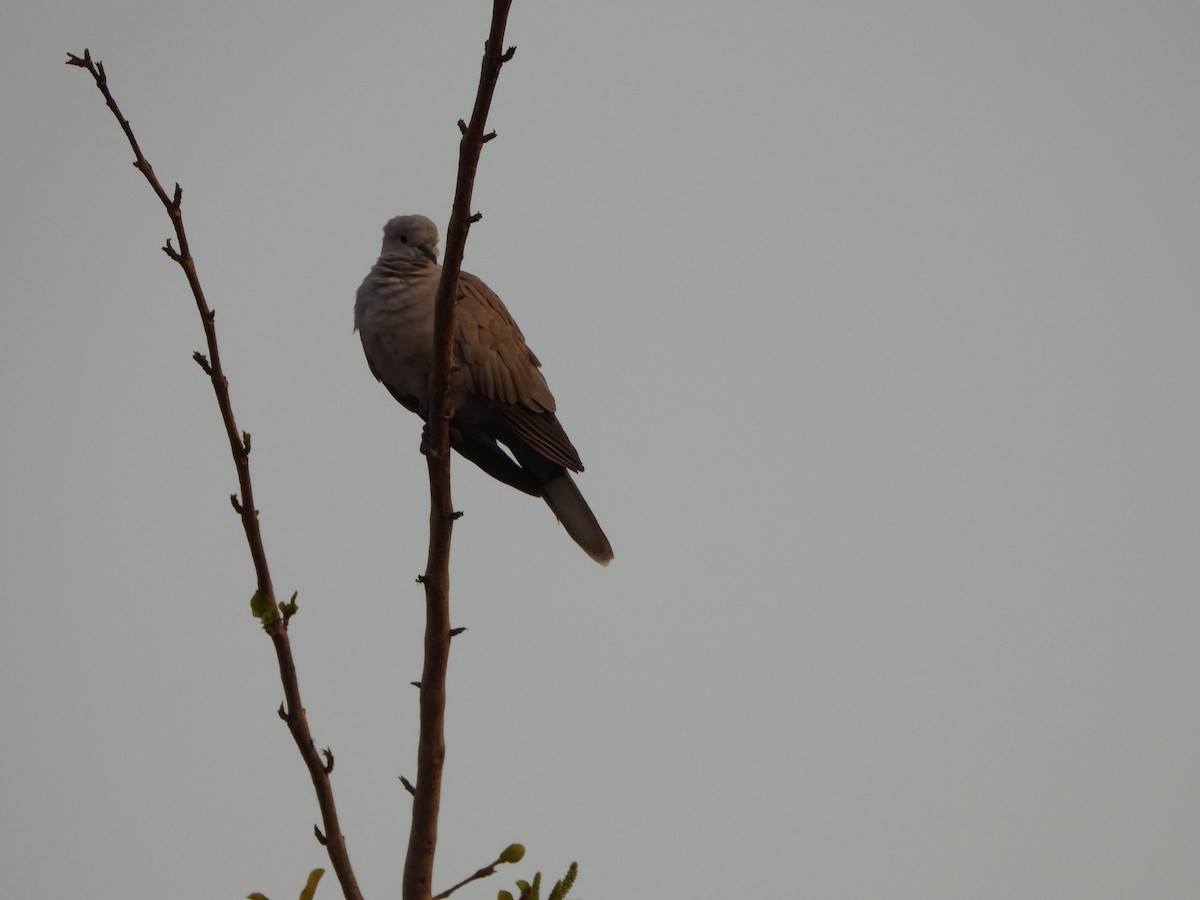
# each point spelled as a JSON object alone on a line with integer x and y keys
{"x": 394, "y": 317}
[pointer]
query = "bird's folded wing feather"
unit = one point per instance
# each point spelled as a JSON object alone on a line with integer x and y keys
{"x": 499, "y": 367}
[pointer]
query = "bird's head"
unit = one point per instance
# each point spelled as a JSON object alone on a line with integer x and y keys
{"x": 410, "y": 237}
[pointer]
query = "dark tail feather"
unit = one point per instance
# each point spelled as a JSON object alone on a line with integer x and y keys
{"x": 562, "y": 496}
{"x": 483, "y": 450}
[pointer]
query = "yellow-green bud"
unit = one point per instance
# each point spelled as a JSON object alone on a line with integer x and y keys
{"x": 513, "y": 853}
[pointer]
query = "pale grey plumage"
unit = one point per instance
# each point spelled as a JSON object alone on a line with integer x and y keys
{"x": 497, "y": 389}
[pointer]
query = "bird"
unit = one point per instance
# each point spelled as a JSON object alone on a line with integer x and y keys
{"x": 504, "y": 416}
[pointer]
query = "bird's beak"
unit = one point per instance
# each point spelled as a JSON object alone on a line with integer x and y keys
{"x": 429, "y": 253}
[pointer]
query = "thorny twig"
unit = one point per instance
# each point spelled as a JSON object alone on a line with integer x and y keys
{"x": 274, "y": 621}
{"x": 431, "y": 747}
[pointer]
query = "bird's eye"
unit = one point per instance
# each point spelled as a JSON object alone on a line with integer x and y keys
{"x": 404, "y": 238}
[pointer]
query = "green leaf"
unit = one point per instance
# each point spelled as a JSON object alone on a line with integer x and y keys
{"x": 310, "y": 889}
{"x": 262, "y": 608}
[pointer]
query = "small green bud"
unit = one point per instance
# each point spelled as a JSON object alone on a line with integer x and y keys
{"x": 289, "y": 609}
{"x": 504, "y": 895}
{"x": 513, "y": 853}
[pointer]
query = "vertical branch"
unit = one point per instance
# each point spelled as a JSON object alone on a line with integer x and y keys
{"x": 431, "y": 748}
{"x": 265, "y": 605}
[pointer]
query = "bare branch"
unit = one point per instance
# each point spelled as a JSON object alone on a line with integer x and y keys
{"x": 431, "y": 747}
{"x": 292, "y": 711}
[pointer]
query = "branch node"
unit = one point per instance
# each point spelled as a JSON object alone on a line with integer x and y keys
{"x": 508, "y": 54}
{"x": 462, "y": 127}
{"x": 202, "y": 361}
{"x": 171, "y": 251}
{"x": 328, "y": 754}
{"x": 475, "y": 218}
{"x": 455, "y": 632}
{"x": 238, "y": 508}
{"x": 246, "y": 442}
{"x": 408, "y": 785}
{"x": 282, "y": 714}
{"x": 416, "y": 684}
{"x": 320, "y": 837}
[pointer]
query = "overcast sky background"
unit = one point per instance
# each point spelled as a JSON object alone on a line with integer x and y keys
{"x": 877, "y": 326}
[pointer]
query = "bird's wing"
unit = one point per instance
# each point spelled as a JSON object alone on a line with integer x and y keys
{"x": 499, "y": 368}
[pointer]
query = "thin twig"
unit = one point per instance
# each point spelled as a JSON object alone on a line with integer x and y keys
{"x": 292, "y": 711}
{"x": 431, "y": 746}
{"x": 485, "y": 872}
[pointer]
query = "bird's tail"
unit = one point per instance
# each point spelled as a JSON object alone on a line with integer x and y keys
{"x": 562, "y": 496}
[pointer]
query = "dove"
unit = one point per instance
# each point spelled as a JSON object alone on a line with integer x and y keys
{"x": 499, "y": 396}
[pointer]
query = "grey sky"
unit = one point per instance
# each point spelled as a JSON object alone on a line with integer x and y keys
{"x": 877, "y": 328}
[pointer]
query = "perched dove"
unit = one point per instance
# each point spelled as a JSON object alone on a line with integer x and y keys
{"x": 498, "y": 392}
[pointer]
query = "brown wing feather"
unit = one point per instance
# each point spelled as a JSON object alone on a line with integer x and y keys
{"x": 499, "y": 366}
{"x": 542, "y": 433}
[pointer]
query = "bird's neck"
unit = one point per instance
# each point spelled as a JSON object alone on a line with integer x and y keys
{"x": 401, "y": 266}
